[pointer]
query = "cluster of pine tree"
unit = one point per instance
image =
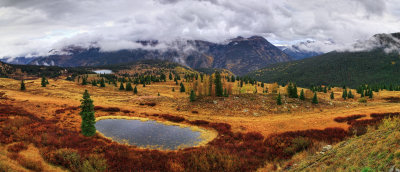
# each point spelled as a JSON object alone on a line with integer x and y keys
{"x": 320, "y": 88}
{"x": 347, "y": 94}
{"x": 292, "y": 90}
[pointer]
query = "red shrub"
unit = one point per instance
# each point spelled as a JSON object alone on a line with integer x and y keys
{"x": 348, "y": 118}
{"x": 172, "y": 118}
{"x": 111, "y": 109}
{"x": 98, "y": 108}
{"x": 222, "y": 128}
{"x": 385, "y": 115}
{"x": 148, "y": 104}
{"x": 126, "y": 111}
{"x": 17, "y": 147}
{"x": 195, "y": 111}
{"x": 359, "y": 127}
{"x": 199, "y": 122}
{"x": 58, "y": 111}
{"x": 253, "y": 136}
{"x": 277, "y": 144}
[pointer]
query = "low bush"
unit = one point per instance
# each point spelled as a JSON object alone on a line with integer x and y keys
{"x": 111, "y": 109}
{"x": 253, "y": 136}
{"x": 17, "y": 147}
{"x": 148, "y": 104}
{"x": 298, "y": 144}
{"x": 385, "y": 115}
{"x": 222, "y": 128}
{"x": 199, "y": 122}
{"x": 94, "y": 163}
{"x": 68, "y": 158}
{"x": 172, "y": 118}
{"x": 348, "y": 118}
{"x": 126, "y": 111}
{"x": 362, "y": 100}
{"x": 285, "y": 145}
{"x": 98, "y": 108}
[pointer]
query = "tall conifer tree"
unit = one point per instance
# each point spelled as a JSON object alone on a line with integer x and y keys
{"x": 87, "y": 115}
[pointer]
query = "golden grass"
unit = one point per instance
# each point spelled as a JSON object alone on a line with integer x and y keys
{"x": 27, "y": 160}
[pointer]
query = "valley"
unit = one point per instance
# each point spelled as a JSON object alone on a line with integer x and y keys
{"x": 247, "y": 111}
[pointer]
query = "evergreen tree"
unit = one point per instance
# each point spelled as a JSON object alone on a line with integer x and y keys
{"x": 362, "y": 93}
{"x": 325, "y": 91}
{"x": 266, "y": 89}
{"x": 170, "y": 76}
{"x": 102, "y": 83}
{"x": 173, "y": 89}
{"x": 289, "y": 90}
{"x": 279, "y": 99}
{"x": 84, "y": 81}
{"x": 371, "y": 94}
{"x": 350, "y": 95}
{"x": 158, "y": 94}
{"x": 344, "y": 94}
{"x": 121, "y": 86}
{"x": 144, "y": 84}
{"x": 128, "y": 87}
{"x": 135, "y": 90}
{"x": 44, "y": 82}
{"x": 218, "y": 85}
{"x": 87, "y": 115}
{"x": 226, "y": 93}
{"x": 94, "y": 83}
{"x": 182, "y": 88}
{"x": 22, "y": 86}
{"x": 294, "y": 92}
{"x": 262, "y": 84}
{"x": 302, "y": 95}
{"x": 192, "y": 96}
{"x": 332, "y": 96}
{"x": 315, "y": 99}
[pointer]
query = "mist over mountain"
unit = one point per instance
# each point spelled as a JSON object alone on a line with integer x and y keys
{"x": 239, "y": 55}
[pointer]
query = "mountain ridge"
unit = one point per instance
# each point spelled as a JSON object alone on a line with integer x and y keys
{"x": 239, "y": 55}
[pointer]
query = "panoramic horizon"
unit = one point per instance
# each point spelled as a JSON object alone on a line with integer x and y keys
{"x": 33, "y": 28}
{"x": 199, "y": 85}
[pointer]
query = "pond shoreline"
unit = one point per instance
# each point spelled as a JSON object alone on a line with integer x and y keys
{"x": 206, "y": 134}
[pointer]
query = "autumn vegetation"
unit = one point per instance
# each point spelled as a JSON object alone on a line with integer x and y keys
{"x": 256, "y": 123}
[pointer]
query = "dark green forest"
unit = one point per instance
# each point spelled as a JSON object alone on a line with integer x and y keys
{"x": 336, "y": 69}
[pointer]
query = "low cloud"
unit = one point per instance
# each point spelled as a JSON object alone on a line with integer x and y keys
{"x": 35, "y": 27}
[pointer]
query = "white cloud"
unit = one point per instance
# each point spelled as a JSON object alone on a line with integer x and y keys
{"x": 33, "y": 27}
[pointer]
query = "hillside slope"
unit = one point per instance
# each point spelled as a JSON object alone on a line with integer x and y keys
{"x": 377, "y": 150}
{"x": 336, "y": 68}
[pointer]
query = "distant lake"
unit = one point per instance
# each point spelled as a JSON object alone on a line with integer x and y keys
{"x": 149, "y": 134}
{"x": 103, "y": 71}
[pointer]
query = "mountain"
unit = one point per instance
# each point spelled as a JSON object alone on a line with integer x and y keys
{"x": 239, "y": 55}
{"x": 375, "y": 66}
{"x": 387, "y": 42}
{"x": 309, "y": 48}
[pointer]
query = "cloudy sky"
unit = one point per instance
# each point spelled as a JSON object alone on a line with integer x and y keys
{"x": 33, "y": 27}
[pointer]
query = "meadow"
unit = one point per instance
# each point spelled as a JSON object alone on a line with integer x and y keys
{"x": 40, "y": 127}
